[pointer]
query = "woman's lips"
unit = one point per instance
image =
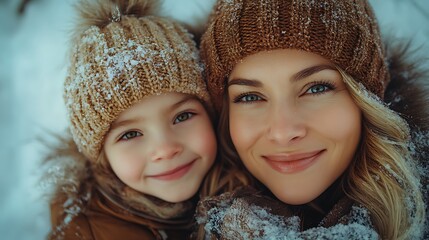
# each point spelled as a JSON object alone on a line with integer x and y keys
{"x": 291, "y": 163}
{"x": 175, "y": 173}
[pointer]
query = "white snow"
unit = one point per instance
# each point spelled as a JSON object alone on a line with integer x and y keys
{"x": 32, "y": 70}
{"x": 239, "y": 220}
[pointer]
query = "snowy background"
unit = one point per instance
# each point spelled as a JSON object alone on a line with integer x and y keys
{"x": 32, "y": 69}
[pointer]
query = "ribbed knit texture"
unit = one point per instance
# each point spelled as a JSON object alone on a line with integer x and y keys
{"x": 343, "y": 31}
{"x": 117, "y": 65}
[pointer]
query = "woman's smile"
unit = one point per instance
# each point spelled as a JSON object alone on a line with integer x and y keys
{"x": 292, "y": 163}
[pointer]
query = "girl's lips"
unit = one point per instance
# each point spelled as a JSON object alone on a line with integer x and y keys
{"x": 174, "y": 173}
{"x": 292, "y": 163}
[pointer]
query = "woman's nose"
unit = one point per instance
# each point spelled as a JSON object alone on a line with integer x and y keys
{"x": 285, "y": 125}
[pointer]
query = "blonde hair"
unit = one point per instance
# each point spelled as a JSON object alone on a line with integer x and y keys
{"x": 383, "y": 177}
{"x": 226, "y": 175}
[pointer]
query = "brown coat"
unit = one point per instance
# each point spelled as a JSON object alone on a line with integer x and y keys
{"x": 103, "y": 219}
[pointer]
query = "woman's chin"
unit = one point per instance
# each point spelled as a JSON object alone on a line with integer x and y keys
{"x": 295, "y": 198}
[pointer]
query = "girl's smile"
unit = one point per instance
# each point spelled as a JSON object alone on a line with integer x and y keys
{"x": 173, "y": 174}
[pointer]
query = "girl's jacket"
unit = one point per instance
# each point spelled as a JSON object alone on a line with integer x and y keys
{"x": 250, "y": 214}
{"x": 104, "y": 219}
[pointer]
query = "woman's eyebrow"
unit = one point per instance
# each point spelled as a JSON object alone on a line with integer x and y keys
{"x": 310, "y": 71}
{"x": 246, "y": 82}
{"x": 296, "y": 77}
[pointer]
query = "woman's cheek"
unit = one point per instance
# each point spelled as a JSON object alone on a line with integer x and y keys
{"x": 209, "y": 143}
{"x": 206, "y": 145}
{"x": 244, "y": 127}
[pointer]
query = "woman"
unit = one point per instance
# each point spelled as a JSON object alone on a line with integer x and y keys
{"x": 298, "y": 85}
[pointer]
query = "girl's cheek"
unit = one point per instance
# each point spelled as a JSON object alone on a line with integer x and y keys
{"x": 127, "y": 164}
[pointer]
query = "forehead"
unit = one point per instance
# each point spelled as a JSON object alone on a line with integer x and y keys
{"x": 285, "y": 58}
{"x": 162, "y": 103}
{"x": 283, "y": 63}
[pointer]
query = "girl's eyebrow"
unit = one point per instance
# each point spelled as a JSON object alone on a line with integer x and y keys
{"x": 296, "y": 77}
{"x": 117, "y": 124}
{"x": 124, "y": 123}
{"x": 185, "y": 99}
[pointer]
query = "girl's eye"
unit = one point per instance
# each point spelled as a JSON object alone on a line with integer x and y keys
{"x": 183, "y": 117}
{"x": 319, "y": 88}
{"x": 130, "y": 135}
{"x": 247, "y": 98}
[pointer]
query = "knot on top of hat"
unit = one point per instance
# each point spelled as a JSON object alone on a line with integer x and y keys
{"x": 116, "y": 14}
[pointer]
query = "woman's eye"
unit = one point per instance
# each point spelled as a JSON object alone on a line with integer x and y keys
{"x": 247, "y": 98}
{"x": 319, "y": 88}
{"x": 130, "y": 135}
{"x": 183, "y": 117}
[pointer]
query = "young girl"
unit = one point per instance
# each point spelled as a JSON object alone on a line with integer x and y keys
{"x": 298, "y": 84}
{"x": 142, "y": 139}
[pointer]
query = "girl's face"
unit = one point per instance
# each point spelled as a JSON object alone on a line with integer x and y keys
{"x": 293, "y": 122}
{"x": 162, "y": 146}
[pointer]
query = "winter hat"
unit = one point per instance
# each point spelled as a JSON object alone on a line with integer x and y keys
{"x": 345, "y": 32}
{"x": 122, "y": 53}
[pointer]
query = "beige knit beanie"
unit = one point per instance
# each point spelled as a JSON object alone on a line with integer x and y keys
{"x": 120, "y": 55}
{"x": 345, "y": 32}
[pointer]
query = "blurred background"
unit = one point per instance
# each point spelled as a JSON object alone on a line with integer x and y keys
{"x": 33, "y": 45}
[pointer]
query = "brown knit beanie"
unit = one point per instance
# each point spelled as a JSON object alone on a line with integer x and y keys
{"x": 120, "y": 55}
{"x": 345, "y": 32}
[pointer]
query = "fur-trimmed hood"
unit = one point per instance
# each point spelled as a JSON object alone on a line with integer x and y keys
{"x": 408, "y": 94}
{"x": 68, "y": 181}
{"x": 68, "y": 173}
{"x": 408, "y": 90}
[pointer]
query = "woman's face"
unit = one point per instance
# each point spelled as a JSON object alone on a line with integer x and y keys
{"x": 162, "y": 146}
{"x": 293, "y": 122}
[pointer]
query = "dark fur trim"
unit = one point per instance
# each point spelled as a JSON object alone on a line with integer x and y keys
{"x": 68, "y": 175}
{"x": 408, "y": 90}
{"x": 408, "y": 94}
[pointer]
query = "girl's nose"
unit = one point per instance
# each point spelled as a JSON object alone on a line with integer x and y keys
{"x": 165, "y": 148}
{"x": 285, "y": 126}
